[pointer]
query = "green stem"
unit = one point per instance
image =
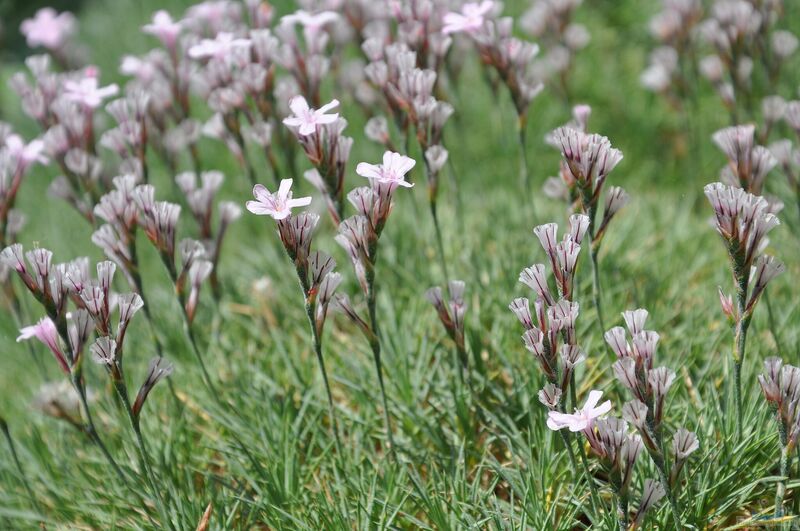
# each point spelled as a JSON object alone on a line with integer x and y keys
{"x": 524, "y": 174}
{"x": 439, "y": 240}
{"x": 740, "y": 340}
{"x": 375, "y": 343}
{"x": 91, "y": 430}
{"x": 144, "y": 457}
{"x": 596, "y": 292}
{"x": 206, "y": 377}
{"x": 773, "y": 328}
{"x": 663, "y": 477}
{"x": 780, "y": 491}
{"x": 317, "y": 340}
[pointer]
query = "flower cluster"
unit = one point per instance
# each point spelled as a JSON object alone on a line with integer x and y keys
{"x": 551, "y": 22}
{"x": 781, "y": 386}
{"x": 743, "y": 220}
{"x": 359, "y": 235}
{"x": 649, "y": 387}
{"x": 410, "y": 94}
{"x": 667, "y": 71}
{"x": 328, "y": 150}
{"x": 587, "y": 159}
{"x": 748, "y": 164}
{"x": 510, "y": 57}
{"x": 738, "y": 32}
{"x": 553, "y": 318}
{"x": 617, "y": 451}
{"x": 315, "y": 270}
{"x": 68, "y": 331}
{"x": 16, "y": 159}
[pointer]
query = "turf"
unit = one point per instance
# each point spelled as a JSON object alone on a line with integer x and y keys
{"x": 266, "y": 459}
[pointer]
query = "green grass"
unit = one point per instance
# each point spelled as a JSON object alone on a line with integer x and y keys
{"x": 267, "y": 460}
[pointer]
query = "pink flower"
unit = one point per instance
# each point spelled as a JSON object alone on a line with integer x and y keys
{"x": 307, "y": 119}
{"x": 278, "y": 205}
{"x": 87, "y": 93}
{"x": 25, "y": 154}
{"x": 45, "y": 331}
{"x": 392, "y": 171}
{"x": 582, "y": 418}
{"x": 48, "y": 29}
{"x": 220, "y": 47}
{"x": 164, "y": 28}
{"x": 469, "y": 20}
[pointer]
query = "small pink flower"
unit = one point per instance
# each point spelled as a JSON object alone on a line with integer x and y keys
{"x": 469, "y": 20}
{"x": 582, "y": 418}
{"x": 164, "y": 28}
{"x": 392, "y": 171}
{"x": 25, "y": 154}
{"x": 278, "y": 205}
{"x": 48, "y": 28}
{"x": 45, "y": 331}
{"x": 220, "y": 47}
{"x": 307, "y": 119}
{"x": 87, "y": 92}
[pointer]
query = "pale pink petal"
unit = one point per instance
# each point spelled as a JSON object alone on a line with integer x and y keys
{"x": 370, "y": 171}
{"x": 261, "y": 193}
{"x": 578, "y": 424}
{"x": 293, "y": 122}
{"x": 602, "y": 409}
{"x": 307, "y": 129}
{"x": 592, "y": 400}
{"x": 259, "y": 208}
{"x": 328, "y": 106}
{"x": 327, "y": 118}
{"x": 285, "y": 188}
{"x": 298, "y": 105}
{"x": 299, "y": 202}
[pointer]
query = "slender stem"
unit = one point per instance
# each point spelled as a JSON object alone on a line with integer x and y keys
{"x": 23, "y": 477}
{"x": 439, "y": 240}
{"x": 781, "y": 488}
{"x": 524, "y": 174}
{"x": 317, "y": 340}
{"x": 596, "y": 292}
{"x": 773, "y": 328}
{"x": 663, "y": 476}
{"x": 740, "y": 341}
{"x": 565, "y": 438}
{"x": 376, "y": 355}
{"x": 144, "y": 457}
{"x": 206, "y": 377}
{"x": 91, "y": 430}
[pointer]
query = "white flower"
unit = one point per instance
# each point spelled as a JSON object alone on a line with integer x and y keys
{"x": 307, "y": 119}
{"x": 582, "y": 418}
{"x": 392, "y": 171}
{"x": 278, "y": 205}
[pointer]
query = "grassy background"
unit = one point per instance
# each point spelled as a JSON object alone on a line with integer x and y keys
{"x": 268, "y": 460}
